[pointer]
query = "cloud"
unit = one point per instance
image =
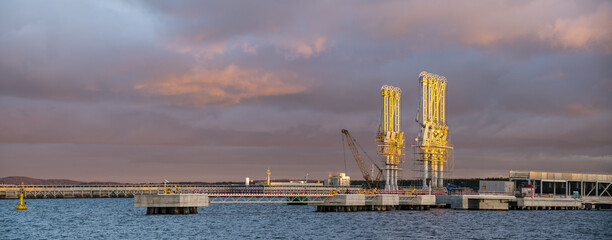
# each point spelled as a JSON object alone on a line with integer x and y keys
{"x": 591, "y": 31}
{"x": 304, "y": 48}
{"x": 230, "y": 85}
{"x": 198, "y": 51}
{"x": 529, "y": 81}
{"x": 306, "y": 30}
{"x": 249, "y": 48}
{"x": 581, "y": 109}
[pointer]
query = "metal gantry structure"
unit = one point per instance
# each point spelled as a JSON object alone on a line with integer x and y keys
{"x": 432, "y": 149}
{"x": 390, "y": 138}
{"x": 217, "y": 194}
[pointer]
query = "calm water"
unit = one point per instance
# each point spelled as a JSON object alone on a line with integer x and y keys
{"x": 105, "y": 218}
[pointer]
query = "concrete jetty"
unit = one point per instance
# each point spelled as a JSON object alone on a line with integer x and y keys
{"x": 172, "y": 203}
{"x": 343, "y": 203}
{"x": 504, "y": 202}
{"x": 416, "y": 202}
{"x": 476, "y": 202}
{"x": 383, "y": 202}
{"x": 539, "y": 203}
{"x": 319, "y": 196}
{"x": 379, "y": 202}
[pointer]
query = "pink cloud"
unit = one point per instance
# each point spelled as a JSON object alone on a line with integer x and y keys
{"x": 230, "y": 85}
{"x": 296, "y": 47}
{"x": 581, "y": 109}
{"x": 568, "y": 25}
{"x": 589, "y": 31}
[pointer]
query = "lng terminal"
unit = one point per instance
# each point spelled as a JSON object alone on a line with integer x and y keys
{"x": 431, "y": 150}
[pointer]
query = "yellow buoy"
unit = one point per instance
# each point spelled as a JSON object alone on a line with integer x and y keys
{"x": 21, "y": 205}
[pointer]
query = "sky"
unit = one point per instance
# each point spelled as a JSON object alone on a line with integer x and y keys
{"x": 142, "y": 91}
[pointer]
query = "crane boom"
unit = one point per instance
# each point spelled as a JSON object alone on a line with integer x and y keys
{"x": 364, "y": 171}
{"x": 378, "y": 175}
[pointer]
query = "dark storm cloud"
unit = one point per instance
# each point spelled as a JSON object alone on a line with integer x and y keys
{"x": 79, "y": 51}
{"x": 216, "y": 85}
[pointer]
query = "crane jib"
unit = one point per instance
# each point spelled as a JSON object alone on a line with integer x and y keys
{"x": 364, "y": 171}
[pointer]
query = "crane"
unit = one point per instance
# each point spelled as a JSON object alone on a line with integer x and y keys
{"x": 352, "y": 143}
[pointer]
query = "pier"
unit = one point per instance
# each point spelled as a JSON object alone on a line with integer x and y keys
{"x": 475, "y": 202}
{"x": 406, "y": 200}
{"x": 528, "y": 191}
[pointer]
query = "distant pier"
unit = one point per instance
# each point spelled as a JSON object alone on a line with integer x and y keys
{"x": 352, "y": 199}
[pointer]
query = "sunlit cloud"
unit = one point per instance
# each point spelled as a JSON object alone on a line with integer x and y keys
{"x": 301, "y": 48}
{"x": 592, "y": 31}
{"x": 581, "y": 109}
{"x": 206, "y": 50}
{"x": 230, "y": 85}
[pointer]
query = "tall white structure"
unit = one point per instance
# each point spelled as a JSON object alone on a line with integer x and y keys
{"x": 390, "y": 138}
{"x": 432, "y": 148}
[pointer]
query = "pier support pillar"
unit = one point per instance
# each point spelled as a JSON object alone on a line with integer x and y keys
{"x": 171, "y": 203}
{"x": 172, "y": 210}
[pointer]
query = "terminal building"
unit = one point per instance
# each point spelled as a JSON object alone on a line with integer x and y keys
{"x": 597, "y": 185}
{"x": 340, "y": 179}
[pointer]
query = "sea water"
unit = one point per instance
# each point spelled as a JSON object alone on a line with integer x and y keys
{"x": 117, "y": 218}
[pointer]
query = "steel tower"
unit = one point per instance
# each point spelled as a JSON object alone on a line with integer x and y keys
{"x": 432, "y": 148}
{"x": 390, "y": 138}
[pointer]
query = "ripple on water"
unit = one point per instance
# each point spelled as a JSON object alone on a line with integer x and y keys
{"x": 118, "y": 219}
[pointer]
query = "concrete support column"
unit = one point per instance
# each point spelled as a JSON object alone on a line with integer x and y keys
{"x": 395, "y": 179}
{"x": 434, "y": 174}
{"x": 391, "y": 177}
{"x": 387, "y": 177}
{"x": 441, "y": 175}
{"x": 394, "y": 182}
{"x": 425, "y": 170}
{"x": 395, "y": 172}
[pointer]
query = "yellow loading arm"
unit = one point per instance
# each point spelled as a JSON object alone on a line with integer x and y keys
{"x": 169, "y": 190}
{"x": 432, "y": 145}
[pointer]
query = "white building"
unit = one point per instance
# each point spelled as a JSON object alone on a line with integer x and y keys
{"x": 339, "y": 179}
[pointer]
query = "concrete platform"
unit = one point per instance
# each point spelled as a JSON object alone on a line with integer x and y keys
{"x": 171, "y": 203}
{"x": 380, "y": 202}
{"x": 416, "y": 202}
{"x": 548, "y": 203}
{"x": 488, "y": 204}
{"x": 476, "y": 202}
{"x": 385, "y": 200}
{"x": 343, "y": 203}
{"x": 344, "y": 200}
